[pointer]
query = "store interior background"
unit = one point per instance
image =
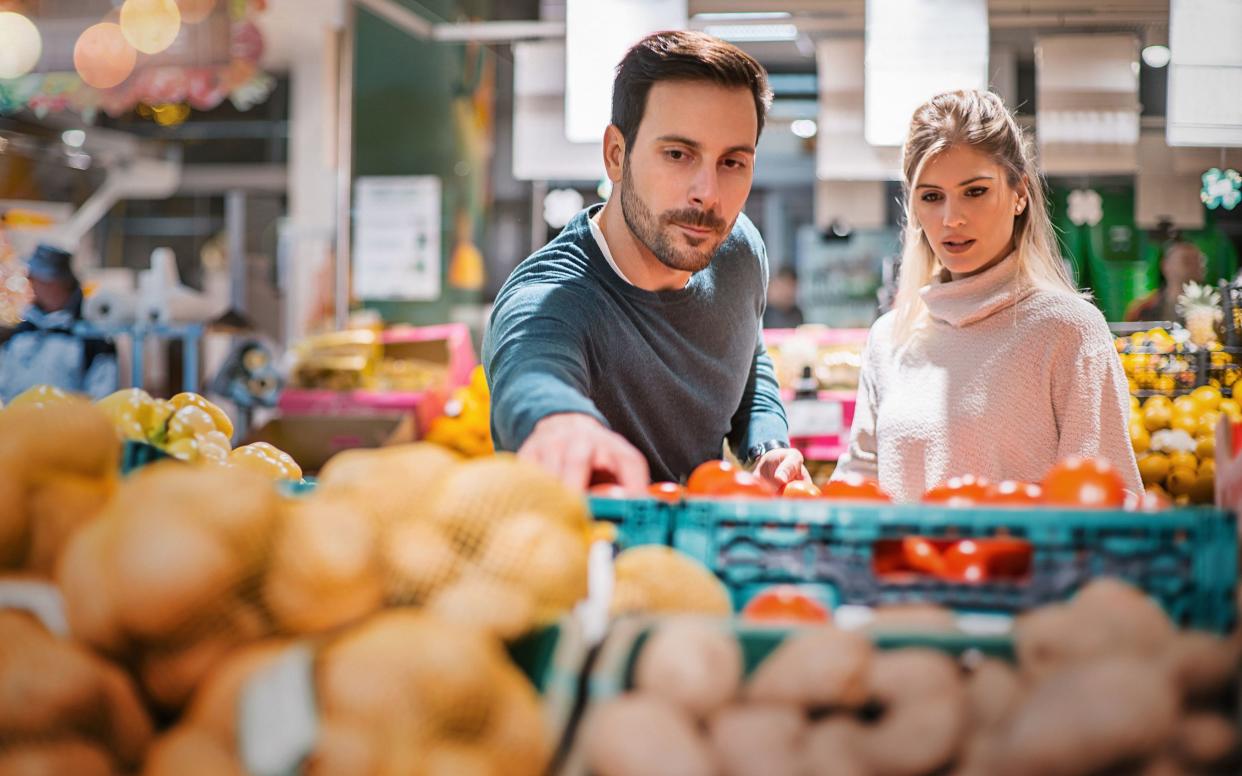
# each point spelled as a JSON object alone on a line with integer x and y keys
{"x": 466, "y": 91}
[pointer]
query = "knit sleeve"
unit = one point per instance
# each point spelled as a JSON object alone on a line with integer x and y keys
{"x": 1091, "y": 400}
{"x": 761, "y": 415}
{"x": 861, "y": 456}
{"x": 536, "y": 359}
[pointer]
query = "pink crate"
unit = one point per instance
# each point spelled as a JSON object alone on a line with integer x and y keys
{"x": 823, "y": 337}
{"x": 832, "y": 447}
{"x": 456, "y": 337}
{"x": 425, "y": 406}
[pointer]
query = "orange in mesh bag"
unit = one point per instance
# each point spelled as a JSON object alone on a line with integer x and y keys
{"x": 58, "y": 467}
{"x": 168, "y": 574}
{"x": 63, "y": 709}
{"x": 402, "y": 692}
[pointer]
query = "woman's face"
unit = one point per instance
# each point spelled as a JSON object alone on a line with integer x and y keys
{"x": 966, "y": 209}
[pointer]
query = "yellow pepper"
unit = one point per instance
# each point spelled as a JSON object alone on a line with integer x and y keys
{"x": 40, "y": 395}
{"x": 218, "y": 416}
{"x": 157, "y": 421}
{"x": 214, "y": 446}
{"x": 189, "y": 422}
{"x": 266, "y": 459}
{"x": 128, "y": 408}
{"x": 185, "y": 449}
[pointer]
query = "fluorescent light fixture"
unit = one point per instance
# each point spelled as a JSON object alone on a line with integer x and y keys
{"x": 74, "y": 138}
{"x": 753, "y": 33}
{"x": 1157, "y": 56}
{"x": 804, "y": 128}
{"x": 747, "y": 16}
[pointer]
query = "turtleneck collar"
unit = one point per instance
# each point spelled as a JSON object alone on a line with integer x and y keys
{"x": 969, "y": 300}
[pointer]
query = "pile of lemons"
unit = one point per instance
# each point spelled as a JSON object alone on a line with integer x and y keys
{"x": 1175, "y": 442}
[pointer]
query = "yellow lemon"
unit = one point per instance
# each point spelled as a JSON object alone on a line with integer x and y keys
{"x": 1231, "y": 408}
{"x": 1181, "y": 481}
{"x": 1187, "y": 423}
{"x": 1207, "y": 423}
{"x": 1153, "y": 468}
{"x": 1207, "y": 397}
{"x": 1203, "y": 491}
{"x": 1205, "y": 449}
{"x": 1157, "y": 416}
{"x": 1185, "y": 405}
{"x": 1140, "y": 440}
{"x": 1183, "y": 460}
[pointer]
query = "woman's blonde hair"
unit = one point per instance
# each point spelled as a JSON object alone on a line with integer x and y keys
{"x": 978, "y": 120}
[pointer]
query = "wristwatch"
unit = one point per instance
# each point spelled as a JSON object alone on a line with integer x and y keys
{"x": 758, "y": 451}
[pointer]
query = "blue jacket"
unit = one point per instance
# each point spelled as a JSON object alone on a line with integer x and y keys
{"x": 45, "y": 349}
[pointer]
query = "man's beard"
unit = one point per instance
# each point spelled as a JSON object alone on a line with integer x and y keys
{"x": 657, "y": 232}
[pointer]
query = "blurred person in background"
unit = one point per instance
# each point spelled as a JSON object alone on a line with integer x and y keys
{"x": 1182, "y": 263}
{"x": 45, "y": 348}
{"x": 783, "y": 311}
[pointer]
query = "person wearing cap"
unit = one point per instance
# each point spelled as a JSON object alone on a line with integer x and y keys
{"x": 45, "y": 349}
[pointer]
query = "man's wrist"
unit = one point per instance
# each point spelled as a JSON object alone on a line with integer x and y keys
{"x": 755, "y": 452}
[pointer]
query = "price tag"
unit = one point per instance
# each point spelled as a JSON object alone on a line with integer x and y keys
{"x": 279, "y": 719}
{"x": 41, "y": 599}
{"x": 814, "y": 418}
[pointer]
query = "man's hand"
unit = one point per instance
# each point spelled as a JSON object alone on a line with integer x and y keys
{"x": 574, "y": 446}
{"x": 780, "y": 467}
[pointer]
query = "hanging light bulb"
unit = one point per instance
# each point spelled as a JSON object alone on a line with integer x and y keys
{"x": 150, "y": 25}
{"x": 103, "y": 57}
{"x": 22, "y": 45}
{"x": 194, "y": 11}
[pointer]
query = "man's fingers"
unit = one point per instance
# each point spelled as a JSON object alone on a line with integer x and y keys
{"x": 632, "y": 472}
{"x": 575, "y": 469}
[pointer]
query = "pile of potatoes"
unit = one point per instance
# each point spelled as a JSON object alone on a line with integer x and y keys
{"x": 63, "y": 709}
{"x": 400, "y": 693}
{"x": 58, "y": 468}
{"x": 1104, "y": 684}
{"x": 185, "y": 564}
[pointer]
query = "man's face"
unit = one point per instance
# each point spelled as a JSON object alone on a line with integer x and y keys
{"x": 689, "y": 171}
{"x": 1182, "y": 264}
{"x": 51, "y": 295}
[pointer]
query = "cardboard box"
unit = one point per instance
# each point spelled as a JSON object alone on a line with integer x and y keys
{"x": 313, "y": 439}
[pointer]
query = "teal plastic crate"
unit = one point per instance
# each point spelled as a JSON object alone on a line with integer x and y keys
{"x": 135, "y": 455}
{"x": 1187, "y": 559}
{"x": 638, "y": 521}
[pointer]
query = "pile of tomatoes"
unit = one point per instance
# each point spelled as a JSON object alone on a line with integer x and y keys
{"x": 1075, "y": 483}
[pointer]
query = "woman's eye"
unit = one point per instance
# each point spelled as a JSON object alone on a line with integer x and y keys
{"x": 976, "y": 191}
{"x": 931, "y": 196}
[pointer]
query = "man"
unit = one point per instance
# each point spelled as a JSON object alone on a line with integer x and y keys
{"x": 629, "y": 347}
{"x": 783, "y": 311}
{"x": 44, "y": 349}
{"x": 1182, "y": 263}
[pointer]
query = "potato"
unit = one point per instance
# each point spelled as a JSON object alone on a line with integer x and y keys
{"x": 483, "y": 603}
{"x": 541, "y": 555}
{"x": 56, "y": 758}
{"x": 1203, "y": 664}
{"x": 821, "y": 667}
{"x": 1092, "y": 716}
{"x": 1205, "y": 739}
{"x": 693, "y": 663}
{"x": 759, "y": 739}
{"x": 419, "y": 560}
{"x": 830, "y": 749}
{"x": 994, "y": 692}
{"x": 641, "y": 735}
{"x": 187, "y": 751}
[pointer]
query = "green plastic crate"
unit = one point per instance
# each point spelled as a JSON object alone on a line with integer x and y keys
{"x": 638, "y": 521}
{"x": 1187, "y": 559}
{"x": 135, "y": 455}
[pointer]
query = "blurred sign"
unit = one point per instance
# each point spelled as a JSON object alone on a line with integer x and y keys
{"x": 397, "y": 238}
{"x": 1205, "y": 75}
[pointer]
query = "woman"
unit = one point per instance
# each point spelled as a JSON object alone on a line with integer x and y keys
{"x": 990, "y": 363}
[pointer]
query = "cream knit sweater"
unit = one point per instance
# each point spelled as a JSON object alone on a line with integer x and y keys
{"x": 1003, "y": 381}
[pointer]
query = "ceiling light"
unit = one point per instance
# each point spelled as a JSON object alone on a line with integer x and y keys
{"x": 74, "y": 138}
{"x": 804, "y": 128}
{"x": 753, "y": 33}
{"x": 1157, "y": 55}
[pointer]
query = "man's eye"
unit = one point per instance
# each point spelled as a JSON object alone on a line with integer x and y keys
{"x": 675, "y": 154}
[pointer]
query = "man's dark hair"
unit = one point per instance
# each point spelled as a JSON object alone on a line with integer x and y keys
{"x": 682, "y": 56}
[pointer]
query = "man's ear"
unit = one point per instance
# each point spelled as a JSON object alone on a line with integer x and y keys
{"x": 614, "y": 153}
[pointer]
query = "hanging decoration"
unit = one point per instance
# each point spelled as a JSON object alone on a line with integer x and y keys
{"x": 115, "y": 76}
{"x": 1221, "y": 188}
{"x": 23, "y": 45}
{"x": 1086, "y": 207}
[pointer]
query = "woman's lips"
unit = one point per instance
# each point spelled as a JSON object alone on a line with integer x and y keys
{"x": 957, "y": 246}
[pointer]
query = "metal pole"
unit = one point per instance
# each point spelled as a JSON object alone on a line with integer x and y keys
{"x": 235, "y": 227}
{"x": 344, "y": 164}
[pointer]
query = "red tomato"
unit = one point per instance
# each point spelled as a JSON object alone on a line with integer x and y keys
{"x": 1090, "y": 483}
{"x": 1014, "y": 493}
{"x": 965, "y": 491}
{"x": 921, "y": 555}
{"x": 785, "y": 603}
{"x": 854, "y": 487}
{"x": 1150, "y": 501}
{"x": 609, "y": 490}
{"x": 745, "y": 485}
{"x": 965, "y": 561}
{"x": 800, "y": 489}
{"x": 669, "y": 492}
{"x": 709, "y": 477}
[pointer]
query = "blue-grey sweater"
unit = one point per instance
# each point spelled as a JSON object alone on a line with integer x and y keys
{"x": 674, "y": 372}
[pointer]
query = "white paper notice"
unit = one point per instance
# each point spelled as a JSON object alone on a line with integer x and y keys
{"x": 397, "y": 238}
